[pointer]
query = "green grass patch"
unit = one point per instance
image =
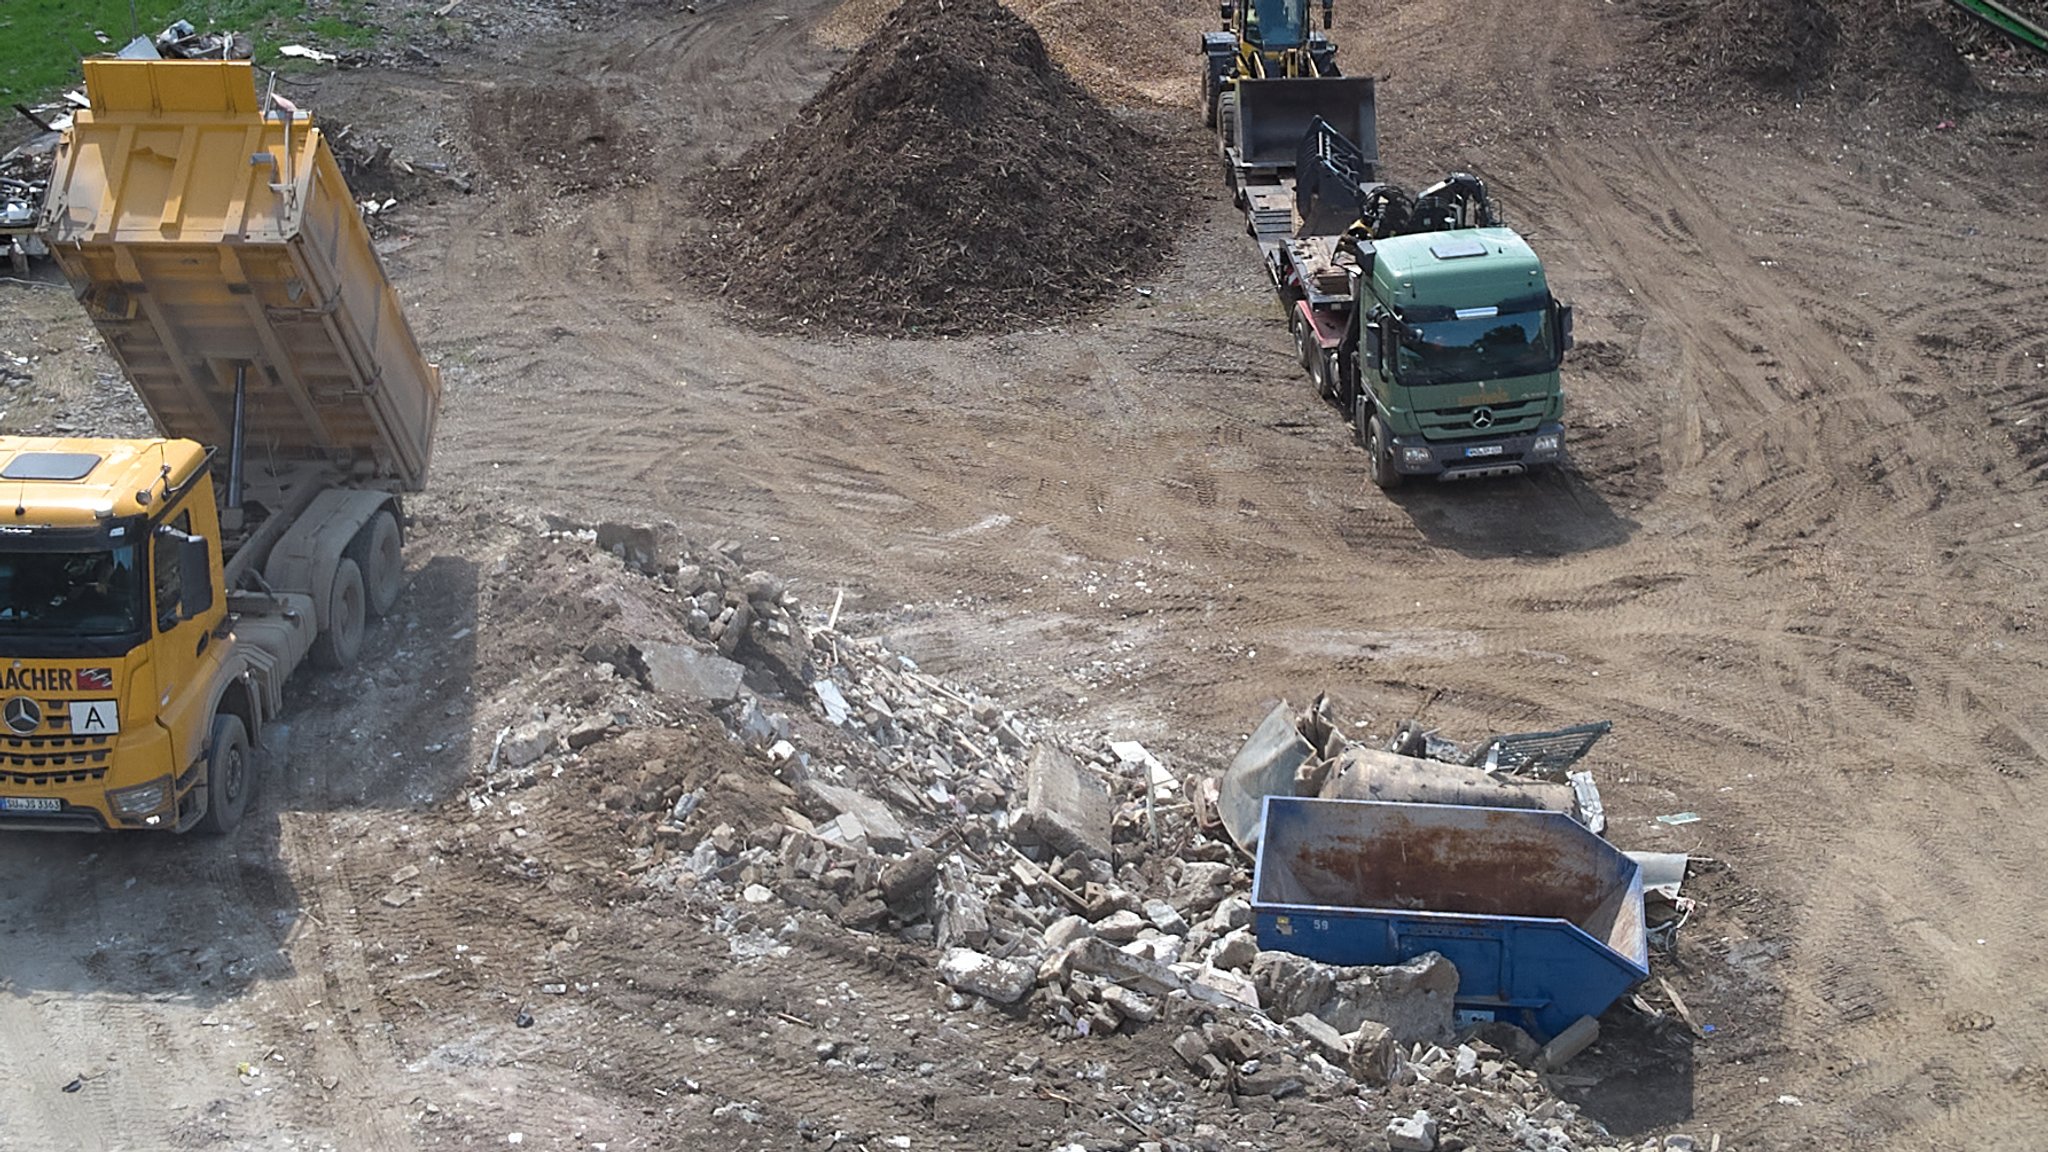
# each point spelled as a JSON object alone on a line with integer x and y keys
{"x": 41, "y": 41}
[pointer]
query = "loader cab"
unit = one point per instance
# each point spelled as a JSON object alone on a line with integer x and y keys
{"x": 1272, "y": 28}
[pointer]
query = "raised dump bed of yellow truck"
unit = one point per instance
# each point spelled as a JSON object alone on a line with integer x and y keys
{"x": 206, "y": 234}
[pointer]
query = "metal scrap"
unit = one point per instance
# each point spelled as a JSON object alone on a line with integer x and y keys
{"x": 1307, "y": 754}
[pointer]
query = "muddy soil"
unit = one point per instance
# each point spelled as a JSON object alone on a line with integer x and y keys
{"x": 1797, "y": 558}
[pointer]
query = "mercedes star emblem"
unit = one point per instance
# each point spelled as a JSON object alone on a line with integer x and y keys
{"x": 23, "y": 715}
{"x": 1482, "y": 418}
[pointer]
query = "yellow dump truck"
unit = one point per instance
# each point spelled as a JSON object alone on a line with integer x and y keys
{"x": 156, "y": 594}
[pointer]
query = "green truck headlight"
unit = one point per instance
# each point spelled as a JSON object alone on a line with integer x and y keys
{"x": 140, "y": 800}
{"x": 1546, "y": 444}
{"x": 1416, "y": 456}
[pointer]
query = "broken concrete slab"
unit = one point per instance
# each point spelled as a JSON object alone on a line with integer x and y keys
{"x": 1101, "y": 958}
{"x": 1326, "y": 1040}
{"x": 1235, "y": 951}
{"x": 1131, "y": 1004}
{"x": 1415, "y": 1133}
{"x": 641, "y": 546}
{"x": 1066, "y": 930}
{"x": 1065, "y": 809}
{"x": 1374, "y": 1055}
{"x": 1002, "y": 981}
{"x": 1291, "y": 985}
{"x": 832, "y": 701}
{"x": 1202, "y": 887}
{"x": 844, "y": 830}
{"x": 1276, "y": 1077}
{"x": 1230, "y": 914}
{"x": 527, "y": 743}
{"x": 1120, "y": 927}
{"x": 879, "y": 826}
{"x": 1165, "y": 917}
{"x": 963, "y": 909}
{"x": 686, "y": 673}
{"x": 1223, "y": 988}
{"x": 906, "y": 883}
{"x": 1417, "y": 999}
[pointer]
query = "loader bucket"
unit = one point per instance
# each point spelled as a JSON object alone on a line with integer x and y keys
{"x": 1273, "y": 116}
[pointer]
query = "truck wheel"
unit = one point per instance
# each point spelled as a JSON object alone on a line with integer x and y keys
{"x": 1226, "y": 121}
{"x": 1327, "y": 375}
{"x": 337, "y": 646}
{"x": 378, "y": 552}
{"x": 1380, "y": 448}
{"x": 1305, "y": 348}
{"x": 228, "y": 778}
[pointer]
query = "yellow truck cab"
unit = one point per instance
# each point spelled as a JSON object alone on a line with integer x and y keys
{"x": 156, "y": 594}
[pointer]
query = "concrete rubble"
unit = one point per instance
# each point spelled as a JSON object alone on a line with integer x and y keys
{"x": 1066, "y": 880}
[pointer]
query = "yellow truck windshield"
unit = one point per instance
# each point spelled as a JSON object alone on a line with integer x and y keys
{"x": 70, "y": 593}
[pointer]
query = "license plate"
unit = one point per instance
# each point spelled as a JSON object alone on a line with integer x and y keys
{"x": 30, "y": 804}
{"x": 1484, "y": 450}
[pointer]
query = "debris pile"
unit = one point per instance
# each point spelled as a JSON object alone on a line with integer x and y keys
{"x": 1081, "y": 886}
{"x": 950, "y": 177}
{"x": 181, "y": 41}
{"x": 380, "y": 180}
{"x": 25, "y": 180}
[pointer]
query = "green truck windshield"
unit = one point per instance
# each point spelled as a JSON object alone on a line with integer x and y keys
{"x": 1476, "y": 348}
{"x": 70, "y": 593}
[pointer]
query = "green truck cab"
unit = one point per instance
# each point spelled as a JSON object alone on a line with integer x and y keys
{"x": 1453, "y": 371}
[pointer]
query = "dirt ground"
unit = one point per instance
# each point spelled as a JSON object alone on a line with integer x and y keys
{"x": 1797, "y": 559}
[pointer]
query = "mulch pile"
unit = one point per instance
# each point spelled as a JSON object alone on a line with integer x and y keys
{"x": 949, "y": 178}
{"x": 1806, "y": 48}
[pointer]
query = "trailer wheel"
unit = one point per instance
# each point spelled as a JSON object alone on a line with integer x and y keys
{"x": 228, "y": 777}
{"x": 338, "y": 645}
{"x": 1379, "y": 448}
{"x": 378, "y": 551}
{"x": 1305, "y": 348}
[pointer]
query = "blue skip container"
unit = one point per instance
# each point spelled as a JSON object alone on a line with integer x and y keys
{"x": 1543, "y": 919}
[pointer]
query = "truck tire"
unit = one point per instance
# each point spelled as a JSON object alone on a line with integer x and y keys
{"x": 1305, "y": 348}
{"x": 1379, "y": 448}
{"x": 229, "y": 778}
{"x": 339, "y": 643}
{"x": 1226, "y": 122}
{"x": 378, "y": 551}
